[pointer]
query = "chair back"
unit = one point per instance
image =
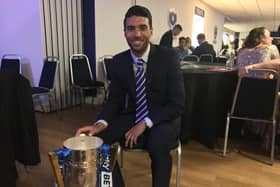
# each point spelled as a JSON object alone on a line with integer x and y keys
{"x": 191, "y": 58}
{"x": 107, "y": 66}
{"x": 256, "y": 98}
{"x": 206, "y": 58}
{"x": 48, "y": 74}
{"x": 221, "y": 60}
{"x": 80, "y": 70}
{"x": 10, "y": 63}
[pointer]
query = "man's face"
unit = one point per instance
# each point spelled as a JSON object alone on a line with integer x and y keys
{"x": 176, "y": 31}
{"x": 138, "y": 33}
{"x": 182, "y": 43}
{"x": 199, "y": 40}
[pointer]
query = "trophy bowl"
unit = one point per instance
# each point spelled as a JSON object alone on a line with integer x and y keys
{"x": 80, "y": 167}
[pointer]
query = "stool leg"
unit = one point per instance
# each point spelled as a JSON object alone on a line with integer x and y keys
{"x": 178, "y": 172}
{"x": 226, "y": 135}
{"x": 273, "y": 142}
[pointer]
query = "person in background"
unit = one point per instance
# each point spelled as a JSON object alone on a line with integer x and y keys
{"x": 181, "y": 49}
{"x": 167, "y": 38}
{"x": 189, "y": 46}
{"x": 146, "y": 98}
{"x": 241, "y": 45}
{"x": 204, "y": 47}
{"x": 257, "y": 49}
{"x": 272, "y": 64}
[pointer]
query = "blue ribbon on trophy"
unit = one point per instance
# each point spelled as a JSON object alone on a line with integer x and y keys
{"x": 76, "y": 164}
{"x": 62, "y": 154}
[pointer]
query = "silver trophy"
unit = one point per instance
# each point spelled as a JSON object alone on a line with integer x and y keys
{"x": 79, "y": 168}
{"x": 84, "y": 162}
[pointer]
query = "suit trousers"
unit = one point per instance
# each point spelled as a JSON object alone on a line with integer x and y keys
{"x": 158, "y": 141}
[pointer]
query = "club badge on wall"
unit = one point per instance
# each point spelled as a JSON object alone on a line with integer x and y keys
{"x": 172, "y": 18}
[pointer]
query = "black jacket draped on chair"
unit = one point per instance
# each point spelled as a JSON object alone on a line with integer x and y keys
{"x": 19, "y": 135}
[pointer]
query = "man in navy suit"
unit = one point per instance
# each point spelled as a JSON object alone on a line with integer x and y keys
{"x": 204, "y": 47}
{"x": 159, "y": 130}
{"x": 167, "y": 38}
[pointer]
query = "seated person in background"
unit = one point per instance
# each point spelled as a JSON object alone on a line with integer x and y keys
{"x": 223, "y": 51}
{"x": 204, "y": 47}
{"x": 167, "y": 38}
{"x": 272, "y": 64}
{"x": 189, "y": 46}
{"x": 257, "y": 49}
{"x": 181, "y": 50}
{"x": 274, "y": 49}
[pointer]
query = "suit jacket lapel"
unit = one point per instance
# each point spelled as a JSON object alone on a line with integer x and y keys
{"x": 150, "y": 66}
{"x": 131, "y": 76}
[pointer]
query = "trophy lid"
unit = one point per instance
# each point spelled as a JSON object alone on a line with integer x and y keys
{"x": 83, "y": 143}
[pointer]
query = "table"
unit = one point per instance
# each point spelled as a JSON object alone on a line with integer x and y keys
{"x": 209, "y": 92}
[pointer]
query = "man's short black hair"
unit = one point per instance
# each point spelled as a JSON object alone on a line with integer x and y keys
{"x": 178, "y": 26}
{"x": 138, "y": 11}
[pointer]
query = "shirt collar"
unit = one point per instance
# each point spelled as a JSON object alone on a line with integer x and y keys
{"x": 144, "y": 56}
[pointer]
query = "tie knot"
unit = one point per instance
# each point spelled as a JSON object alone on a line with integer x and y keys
{"x": 139, "y": 62}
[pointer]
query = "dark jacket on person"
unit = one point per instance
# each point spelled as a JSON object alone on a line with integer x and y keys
{"x": 164, "y": 86}
{"x": 166, "y": 39}
{"x": 204, "y": 48}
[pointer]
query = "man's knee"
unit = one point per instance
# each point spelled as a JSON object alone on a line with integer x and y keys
{"x": 157, "y": 147}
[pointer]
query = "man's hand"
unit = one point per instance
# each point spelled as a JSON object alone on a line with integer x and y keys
{"x": 132, "y": 135}
{"x": 91, "y": 130}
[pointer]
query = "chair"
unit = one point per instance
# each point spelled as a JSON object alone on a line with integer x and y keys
{"x": 206, "y": 58}
{"x": 47, "y": 81}
{"x": 176, "y": 148}
{"x": 221, "y": 60}
{"x": 191, "y": 58}
{"x": 10, "y": 63}
{"x": 106, "y": 62}
{"x": 82, "y": 78}
{"x": 255, "y": 99}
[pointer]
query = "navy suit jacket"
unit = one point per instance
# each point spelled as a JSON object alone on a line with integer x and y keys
{"x": 204, "y": 48}
{"x": 167, "y": 39}
{"x": 164, "y": 86}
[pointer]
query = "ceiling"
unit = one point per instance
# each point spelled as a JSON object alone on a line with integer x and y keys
{"x": 247, "y": 10}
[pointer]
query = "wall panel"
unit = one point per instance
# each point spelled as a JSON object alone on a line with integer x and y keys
{"x": 62, "y": 37}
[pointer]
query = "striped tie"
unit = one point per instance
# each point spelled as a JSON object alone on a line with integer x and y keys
{"x": 141, "y": 100}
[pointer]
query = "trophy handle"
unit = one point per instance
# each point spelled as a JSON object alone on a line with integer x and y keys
{"x": 114, "y": 154}
{"x": 55, "y": 165}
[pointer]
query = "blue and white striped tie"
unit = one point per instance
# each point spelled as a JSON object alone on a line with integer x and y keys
{"x": 141, "y": 100}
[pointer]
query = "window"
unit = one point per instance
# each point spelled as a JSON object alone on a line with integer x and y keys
{"x": 198, "y": 25}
